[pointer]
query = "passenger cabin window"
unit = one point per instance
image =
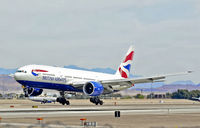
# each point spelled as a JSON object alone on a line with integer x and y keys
{"x": 77, "y": 78}
{"x": 68, "y": 76}
{"x": 88, "y": 79}
{"x": 48, "y": 74}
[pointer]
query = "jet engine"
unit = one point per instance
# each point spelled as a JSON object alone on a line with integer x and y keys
{"x": 93, "y": 88}
{"x": 32, "y": 91}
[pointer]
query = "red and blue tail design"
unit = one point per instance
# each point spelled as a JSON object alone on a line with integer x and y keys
{"x": 125, "y": 66}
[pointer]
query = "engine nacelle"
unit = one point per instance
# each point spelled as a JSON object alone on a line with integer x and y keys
{"x": 32, "y": 91}
{"x": 93, "y": 88}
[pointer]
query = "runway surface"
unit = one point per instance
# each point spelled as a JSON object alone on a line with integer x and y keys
{"x": 98, "y": 110}
{"x": 134, "y": 114}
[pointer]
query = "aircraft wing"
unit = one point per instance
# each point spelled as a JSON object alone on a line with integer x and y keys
{"x": 158, "y": 78}
{"x": 120, "y": 84}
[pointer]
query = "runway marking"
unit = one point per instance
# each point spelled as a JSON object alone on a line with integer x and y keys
{"x": 96, "y": 113}
{"x": 45, "y": 125}
{"x": 95, "y": 108}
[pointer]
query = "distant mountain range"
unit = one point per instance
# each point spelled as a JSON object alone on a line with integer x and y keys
{"x": 103, "y": 70}
{"x": 7, "y": 71}
{"x": 9, "y": 84}
{"x": 169, "y": 88}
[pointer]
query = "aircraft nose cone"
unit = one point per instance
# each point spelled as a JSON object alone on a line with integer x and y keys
{"x": 16, "y": 76}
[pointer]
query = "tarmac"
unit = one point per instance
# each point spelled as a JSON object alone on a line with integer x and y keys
{"x": 133, "y": 113}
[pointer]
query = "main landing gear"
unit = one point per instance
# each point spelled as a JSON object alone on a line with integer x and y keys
{"x": 62, "y": 100}
{"x": 96, "y": 100}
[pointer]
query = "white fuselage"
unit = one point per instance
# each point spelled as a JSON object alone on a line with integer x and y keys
{"x": 41, "y": 76}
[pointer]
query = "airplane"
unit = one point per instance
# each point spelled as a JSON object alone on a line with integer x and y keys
{"x": 43, "y": 100}
{"x": 195, "y": 99}
{"x": 35, "y": 78}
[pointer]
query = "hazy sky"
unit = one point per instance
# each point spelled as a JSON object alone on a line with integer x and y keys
{"x": 97, "y": 33}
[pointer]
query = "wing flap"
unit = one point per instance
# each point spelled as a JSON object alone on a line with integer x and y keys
{"x": 120, "y": 84}
{"x": 143, "y": 80}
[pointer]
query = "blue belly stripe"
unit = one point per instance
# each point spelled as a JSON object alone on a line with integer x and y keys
{"x": 46, "y": 85}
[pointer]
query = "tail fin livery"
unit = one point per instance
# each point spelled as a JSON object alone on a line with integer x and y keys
{"x": 125, "y": 66}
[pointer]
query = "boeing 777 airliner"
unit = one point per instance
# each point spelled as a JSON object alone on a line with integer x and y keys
{"x": 35, "y": 78}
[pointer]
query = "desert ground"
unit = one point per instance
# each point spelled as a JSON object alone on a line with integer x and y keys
{"x": 145, "y": 113}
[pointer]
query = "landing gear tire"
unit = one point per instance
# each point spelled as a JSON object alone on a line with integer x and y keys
{"x": 96, "y": 101}
{"x": 101, "y": 102}
{"x": 26, "y": 95}
{"x": 67, "y": 102}
{"x": 62, "y": 101}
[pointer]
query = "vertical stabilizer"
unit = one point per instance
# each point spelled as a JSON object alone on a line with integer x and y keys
{"x": 125, "y": 66}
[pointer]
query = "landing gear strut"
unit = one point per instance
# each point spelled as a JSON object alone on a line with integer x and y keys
{"x": 25, "y": 89}
{"x": 62, "y": 100}
{"x": 96, "y": 100}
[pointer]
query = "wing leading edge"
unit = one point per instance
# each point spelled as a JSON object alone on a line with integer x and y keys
{"x": 159, "y": 78}
{"x": 114, "y": 85}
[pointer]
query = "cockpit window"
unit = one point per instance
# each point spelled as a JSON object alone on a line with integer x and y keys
{"x": 21, "y": 71}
